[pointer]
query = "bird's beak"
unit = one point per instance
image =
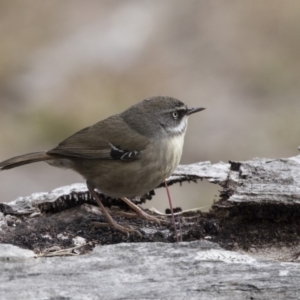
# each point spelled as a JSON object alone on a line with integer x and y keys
{"x": 194, "y": 110}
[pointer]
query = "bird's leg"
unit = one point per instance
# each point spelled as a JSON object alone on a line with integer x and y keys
{"x": 110, "y": 220}
{"x": 172, "y": 212}
{"x": 170, "y": 202}
{"x": 139, "y": 211}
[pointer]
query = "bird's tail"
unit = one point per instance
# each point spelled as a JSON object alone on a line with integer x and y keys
{"x": 24, "y": 160}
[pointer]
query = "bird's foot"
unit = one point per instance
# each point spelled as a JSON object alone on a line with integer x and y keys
{"x": 144, "y": 216}
{"x": 140, "y": 212}
{"x": 147, "y": 217}
{"x": 115, "y": 225}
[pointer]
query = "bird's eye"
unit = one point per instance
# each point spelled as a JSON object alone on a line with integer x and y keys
{"x": 175, "y": 115}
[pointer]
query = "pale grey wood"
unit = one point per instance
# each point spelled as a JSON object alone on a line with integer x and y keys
{"x": 266, "y": 181}
{"x": 196, "y": 270}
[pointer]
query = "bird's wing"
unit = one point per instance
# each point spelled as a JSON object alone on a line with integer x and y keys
{"x": 109, "y": 139}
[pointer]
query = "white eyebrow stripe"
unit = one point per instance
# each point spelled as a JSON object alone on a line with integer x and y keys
{"x": 181, "y": 108}
{"x": 176, "y": 108}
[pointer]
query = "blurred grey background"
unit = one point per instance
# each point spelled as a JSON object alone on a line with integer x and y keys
{"x": 65, "y": 65}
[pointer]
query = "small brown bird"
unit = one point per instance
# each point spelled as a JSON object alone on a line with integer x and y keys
{"x": 125, "y": 155}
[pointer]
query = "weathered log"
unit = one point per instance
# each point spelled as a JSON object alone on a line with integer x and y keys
{"x": 257, "y": 214}
{"x": 195, "y": 270}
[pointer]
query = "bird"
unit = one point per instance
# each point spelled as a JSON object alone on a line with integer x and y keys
{"x": 125, "y": 155}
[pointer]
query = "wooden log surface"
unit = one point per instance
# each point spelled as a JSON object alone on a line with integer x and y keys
{"x": 255, "y": 222}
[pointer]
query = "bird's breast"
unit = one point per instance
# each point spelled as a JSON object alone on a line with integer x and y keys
{"x": 170, "y": 151}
